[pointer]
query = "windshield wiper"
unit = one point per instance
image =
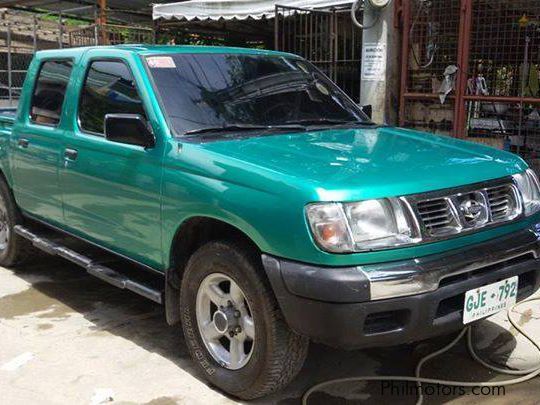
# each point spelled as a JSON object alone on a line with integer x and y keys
{"x": 328, "y": 121}
{"x": 245, "y": 127}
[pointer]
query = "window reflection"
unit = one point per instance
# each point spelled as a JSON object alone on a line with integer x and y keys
{"x": 214, "y": 90}
{"x": 109, "y": 88}
{"x": 50, "y": 91}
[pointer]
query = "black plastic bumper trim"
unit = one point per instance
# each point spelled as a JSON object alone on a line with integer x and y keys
{"x": 322, "y": 317}
{"x": 343, "y": 284}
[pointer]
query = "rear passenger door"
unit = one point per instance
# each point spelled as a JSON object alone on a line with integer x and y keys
{"x": 38, "y": 141}
{"x": 111, "y": 191}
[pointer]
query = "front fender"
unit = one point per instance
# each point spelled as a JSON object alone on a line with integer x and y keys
{"x": 253, "y": 212}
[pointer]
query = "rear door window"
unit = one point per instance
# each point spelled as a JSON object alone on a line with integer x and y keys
{"x": 50, "y": 91}
{"x": 109, "y": 88}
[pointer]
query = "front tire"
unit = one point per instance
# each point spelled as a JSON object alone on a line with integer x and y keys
{"x": 14, "y": 249}
{"x": 233, "y": 327}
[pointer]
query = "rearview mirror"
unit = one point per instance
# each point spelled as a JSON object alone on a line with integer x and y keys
{"x": 131, "y": 129}
{"x": 368, "y": 110}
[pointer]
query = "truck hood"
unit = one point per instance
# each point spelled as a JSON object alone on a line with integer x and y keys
{"x": 359, "y": 163}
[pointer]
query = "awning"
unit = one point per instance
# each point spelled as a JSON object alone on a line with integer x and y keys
{"x": 233, "y": 9}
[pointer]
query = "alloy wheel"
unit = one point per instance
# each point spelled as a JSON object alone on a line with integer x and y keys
{"x": 225, "y": 321}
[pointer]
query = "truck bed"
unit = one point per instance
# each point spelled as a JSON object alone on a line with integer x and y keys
{"x": 8, "y": 113}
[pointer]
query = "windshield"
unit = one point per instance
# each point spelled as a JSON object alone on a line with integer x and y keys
{"x": 205, "y": 91}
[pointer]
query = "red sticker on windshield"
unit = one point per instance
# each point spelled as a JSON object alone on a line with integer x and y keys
{"x": 160, "y": 62}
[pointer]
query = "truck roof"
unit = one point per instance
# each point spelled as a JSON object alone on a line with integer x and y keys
{"x": 145, "y": 49}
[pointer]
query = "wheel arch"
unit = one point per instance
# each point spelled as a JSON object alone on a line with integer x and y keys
{"x": 193, "y": 233}
{"x": 4, "y": 178}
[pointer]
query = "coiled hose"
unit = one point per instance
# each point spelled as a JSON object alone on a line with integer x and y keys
{"x": 357, "y": 5}
{"x": 526, "y": 375}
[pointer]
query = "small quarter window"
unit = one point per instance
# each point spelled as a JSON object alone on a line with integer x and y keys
{"x": 109, "y": 88}
{"x": 49, "y": 92}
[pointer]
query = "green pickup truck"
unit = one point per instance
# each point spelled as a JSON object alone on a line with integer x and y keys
{"x": 248, "y": 194}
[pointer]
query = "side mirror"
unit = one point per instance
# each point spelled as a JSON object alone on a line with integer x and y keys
{"x": 131, "y": 129}
{"x": 368, "y": 110}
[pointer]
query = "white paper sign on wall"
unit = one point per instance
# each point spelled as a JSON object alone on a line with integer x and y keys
{"x": 374, "y": 61}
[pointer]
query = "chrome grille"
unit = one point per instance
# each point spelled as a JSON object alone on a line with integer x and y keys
{"x": 437, "y": 216}
{"x": 466, "y": 208}
{"x": 502, "y": 202}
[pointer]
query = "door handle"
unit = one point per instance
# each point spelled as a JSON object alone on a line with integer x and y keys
{"x": 23, "y": 142}
{"x": 70, "y": 154}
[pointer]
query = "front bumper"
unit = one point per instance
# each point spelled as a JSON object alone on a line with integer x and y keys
{"x": 398, "y": 302}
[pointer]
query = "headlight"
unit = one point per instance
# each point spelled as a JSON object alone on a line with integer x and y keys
{"x": 529, "y": 187}
{"x": 364, "y": 225}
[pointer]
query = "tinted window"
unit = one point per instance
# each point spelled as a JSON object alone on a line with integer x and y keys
{"x": 50, "y": 91}
{"x": 109, "y": 88}
{"x": 215, "y": 90}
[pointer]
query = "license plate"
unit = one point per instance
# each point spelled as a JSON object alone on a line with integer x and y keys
{"x": 490, "y": 299}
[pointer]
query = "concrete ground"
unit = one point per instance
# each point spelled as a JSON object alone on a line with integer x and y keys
{"x": 67, "y": 338}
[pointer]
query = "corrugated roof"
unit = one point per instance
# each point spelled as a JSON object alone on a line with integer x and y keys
{"x": 130, "y": 11}
{"x": 233, "y": 9}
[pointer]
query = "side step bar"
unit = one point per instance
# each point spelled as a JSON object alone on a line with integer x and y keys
{"x": 104, "y": 273}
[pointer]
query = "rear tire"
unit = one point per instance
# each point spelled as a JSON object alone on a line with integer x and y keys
{"x": 272, "y": 353}
{"x": 14, "y": 249}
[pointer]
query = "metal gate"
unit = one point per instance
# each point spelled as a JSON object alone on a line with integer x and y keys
{"x": 21, "y": 35}
{"x": 24, "y": 33}
{"x": 327, "y": 38}
{"x": 495, "y": 48}
{"x": 110, "y": 35}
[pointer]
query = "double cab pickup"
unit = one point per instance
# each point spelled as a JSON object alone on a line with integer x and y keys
{"x": 249, "y": 195}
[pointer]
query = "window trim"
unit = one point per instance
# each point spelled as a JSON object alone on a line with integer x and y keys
{"x": 34, "y": 87}
{"x": 89, "y": 63}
